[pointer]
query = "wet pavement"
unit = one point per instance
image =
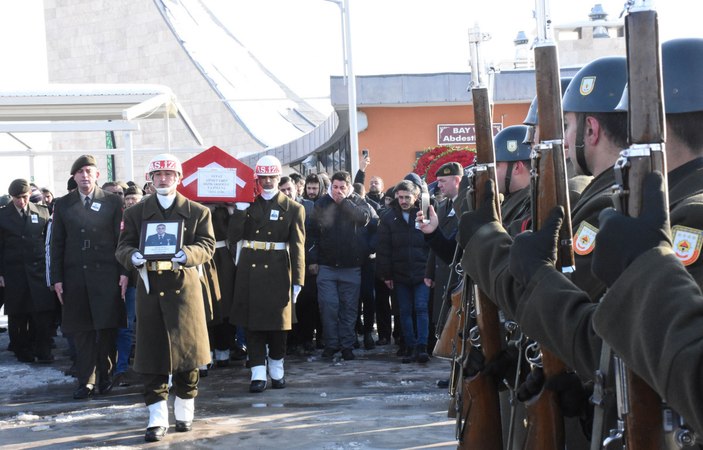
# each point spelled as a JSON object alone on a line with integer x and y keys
{"x": 372, "y": 402}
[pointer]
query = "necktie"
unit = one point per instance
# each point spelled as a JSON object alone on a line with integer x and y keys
{"x": 449, "y": 206}
{"x": 87, "y": 203}
{"x": 24, "y": 215}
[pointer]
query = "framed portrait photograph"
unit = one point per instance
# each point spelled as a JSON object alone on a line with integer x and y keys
{"x": 160, "y": 240}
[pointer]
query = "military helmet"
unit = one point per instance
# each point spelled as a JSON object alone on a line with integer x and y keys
{"x": 682, "y": 70}
{"x": 164, "y": 161}
{"x": 268, "y": 166}
{"x": 597, "y": 87}
{"x": 531, "y": 117}
{"x": 509, "y": 145}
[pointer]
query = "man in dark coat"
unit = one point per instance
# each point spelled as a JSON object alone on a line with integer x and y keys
{"x": 172, "y": 334}
{"x": 86, "y": 276}
{"x": 339, "y": 247}
{"x": 401, "y": 257}
{"x": 30, "y": 305}
{"x": 270, "y": 272}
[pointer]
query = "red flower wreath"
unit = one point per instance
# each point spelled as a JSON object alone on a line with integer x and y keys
{"x": 433, "y": 158}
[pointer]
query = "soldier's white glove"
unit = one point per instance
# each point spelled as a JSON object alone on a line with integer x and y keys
{"x": 138, "y": 259}
{"x": 296, "y": 291}
{"x": 242, "y": 205}
{"x": 179, "y": 257}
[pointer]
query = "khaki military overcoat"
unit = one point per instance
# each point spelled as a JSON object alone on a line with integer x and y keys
{"x": 262, "y": 290}
{"x": 171, "y": 326}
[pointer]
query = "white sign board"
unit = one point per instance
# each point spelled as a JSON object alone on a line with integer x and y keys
{"x": 217, "y": 182}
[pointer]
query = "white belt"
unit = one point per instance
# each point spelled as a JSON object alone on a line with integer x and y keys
{"x": 220, "y": 244}
{"x": 259, "y": 245}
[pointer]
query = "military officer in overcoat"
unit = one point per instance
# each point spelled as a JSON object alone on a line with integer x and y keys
{"x": 87, "y": 278}
{"x": 29, "y": 303}
{"x": 172, "y": 334}
{"x": 270, "y": 272}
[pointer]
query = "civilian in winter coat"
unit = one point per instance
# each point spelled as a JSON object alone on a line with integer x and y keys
{"x": 339, "y": 247}
{"x": 401, "y": 260}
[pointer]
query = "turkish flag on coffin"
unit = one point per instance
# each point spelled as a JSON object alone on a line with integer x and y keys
{"x": 216, "y": 176}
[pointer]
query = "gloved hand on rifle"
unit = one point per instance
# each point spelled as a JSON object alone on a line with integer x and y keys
{"x": 572, "y": 394}
{"x": 532, "y": 250}
{"x": 474, "y": 362}
{"x": 504, "y": 365}
{"x": 486, "y": 212}
{"x": 621, "y": 239}
{"x": 532, "y": 385}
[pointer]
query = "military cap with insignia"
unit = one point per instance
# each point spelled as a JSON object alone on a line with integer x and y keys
{"x": 449, "y": 169}
{"x": 18, "y": 187}
{"x": 82, "y": 161}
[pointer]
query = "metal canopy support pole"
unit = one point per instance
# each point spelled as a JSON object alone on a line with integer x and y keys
{"x": 32, "y": 169}
{"x": 351, "y": 92}
{"x": 129, "y": 156}
{"x": 167, "y": 127}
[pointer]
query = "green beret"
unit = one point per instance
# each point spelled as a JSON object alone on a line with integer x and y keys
{"x": 449, "y": 169}
{"x": 18, "y": 187}
{"x": 82, "y": 161}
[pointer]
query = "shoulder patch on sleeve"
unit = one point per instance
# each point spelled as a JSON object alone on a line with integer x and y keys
{"x": 585, "y": 239}
{"x": 687, "y": 243}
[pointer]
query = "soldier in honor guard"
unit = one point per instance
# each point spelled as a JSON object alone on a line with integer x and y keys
{"x": 270, "y": 272}
{"x": 29, "y": 303}
{"x": 574, "y": 326}
{"x": 172, "y": 334}
{"x": 87, "y": 278}
{"x": 513, "y": 167}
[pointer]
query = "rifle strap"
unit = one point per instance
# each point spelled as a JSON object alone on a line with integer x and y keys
{"x": 598, "y": 397}
{"x": 508, "y": 176}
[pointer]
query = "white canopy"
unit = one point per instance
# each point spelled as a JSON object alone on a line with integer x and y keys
{"x": 90, "y": 107}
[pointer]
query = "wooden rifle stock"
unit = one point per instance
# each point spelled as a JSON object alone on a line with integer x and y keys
{"x": 642, "y": 407}
{"x": 448, "y": 342}
{"x": 545, "y": 421}
{"x": 480, "y": 402}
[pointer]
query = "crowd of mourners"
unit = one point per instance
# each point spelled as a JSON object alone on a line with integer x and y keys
{"x": 359, "y": 275}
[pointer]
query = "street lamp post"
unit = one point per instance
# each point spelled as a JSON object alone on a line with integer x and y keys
{"x": 351, "y": 84}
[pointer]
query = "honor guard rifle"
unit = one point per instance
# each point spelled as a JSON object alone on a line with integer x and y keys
{"x": 639, "y": 407}
{"x": 479, "y": 422}
{"x": 545, "y": 423}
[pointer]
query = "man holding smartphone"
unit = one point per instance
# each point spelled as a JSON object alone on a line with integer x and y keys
{"x": 401, "y": 257}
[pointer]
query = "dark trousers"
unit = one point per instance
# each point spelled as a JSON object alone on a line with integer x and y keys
{"x": 18, "y": 329}
{"x": 42, "y": 331}
{"x": 222, "y": 335}
{"x": 30, "y": 333}
{"x": 307, "y": 311}
{"x": 96, "y": 351}
{"x": 256, "y": 346}
{"x": 367, "y": 300}
{"x": 383, "y": 309}
{"x": 185, "y": 385}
